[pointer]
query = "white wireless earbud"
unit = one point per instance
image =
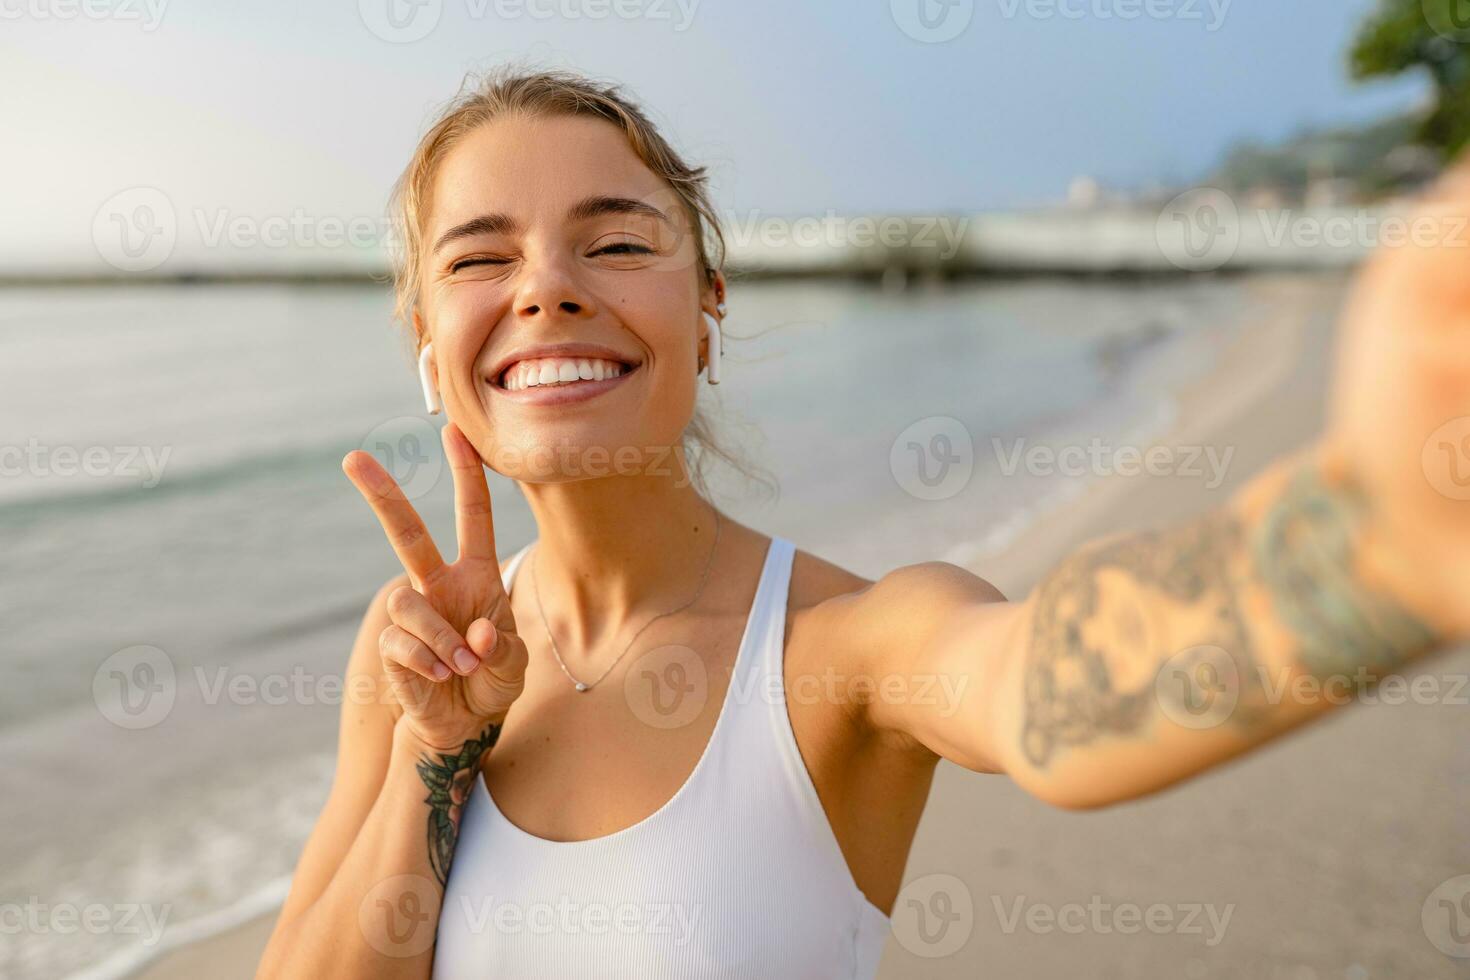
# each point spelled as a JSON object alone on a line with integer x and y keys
{"x": 426, "y": 378}
{"x": 716, "y": 342}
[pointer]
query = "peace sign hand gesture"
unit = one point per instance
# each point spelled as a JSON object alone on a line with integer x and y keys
{"x": 452, "y": 654}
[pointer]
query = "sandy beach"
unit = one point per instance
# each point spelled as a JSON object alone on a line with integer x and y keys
{"x": 1322, "y": 848}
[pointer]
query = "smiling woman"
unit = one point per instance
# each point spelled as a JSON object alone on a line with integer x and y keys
{"x": 600, "y": 772}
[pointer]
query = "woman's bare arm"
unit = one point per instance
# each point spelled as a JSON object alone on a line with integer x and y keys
{"x": 1147, "y": 658}
{"x": 366, "y": 894}
{"x": 435, "y": 668}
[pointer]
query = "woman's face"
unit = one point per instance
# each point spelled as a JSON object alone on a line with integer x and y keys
{"x": 551, "y": 252}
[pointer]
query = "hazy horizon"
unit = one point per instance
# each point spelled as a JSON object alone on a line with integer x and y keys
{"x": 311, "y": 112}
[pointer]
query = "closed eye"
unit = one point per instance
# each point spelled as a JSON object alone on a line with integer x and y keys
{"x": 623, "y": 248}
{"x": 477, "y": 260}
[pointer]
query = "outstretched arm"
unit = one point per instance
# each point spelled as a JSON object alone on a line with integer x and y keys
{"x": 1146, "y": 658}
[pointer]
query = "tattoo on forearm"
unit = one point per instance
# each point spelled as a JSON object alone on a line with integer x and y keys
{"x": 1109, "y": 618}
{"x": 450, "y": 780}
{"x": 1305, "y": 556}
{"x": 1096, "y": 641}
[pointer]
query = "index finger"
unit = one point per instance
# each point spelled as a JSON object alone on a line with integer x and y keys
{"x": 473, "y": 517}
{"x": 401, "y": 523}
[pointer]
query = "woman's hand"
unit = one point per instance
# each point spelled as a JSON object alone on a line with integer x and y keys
{"x": 1400, "y": 420}
{"x": 452, "y": 654}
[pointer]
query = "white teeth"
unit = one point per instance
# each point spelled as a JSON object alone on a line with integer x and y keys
{"x": 559, "y": 370}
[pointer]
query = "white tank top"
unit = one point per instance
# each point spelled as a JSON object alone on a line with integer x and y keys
{"x": 738, "y": 875}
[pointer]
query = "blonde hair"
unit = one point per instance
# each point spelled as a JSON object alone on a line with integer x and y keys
{"x": 510, "y": 91}
{"x": 541, "y": 93}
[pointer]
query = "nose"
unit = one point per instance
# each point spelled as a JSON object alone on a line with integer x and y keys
{"x": 550, "y": 287}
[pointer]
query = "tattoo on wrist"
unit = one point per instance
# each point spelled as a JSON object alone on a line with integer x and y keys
{"x": 450, "y": 780}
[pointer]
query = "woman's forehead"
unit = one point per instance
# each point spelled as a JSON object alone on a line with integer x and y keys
{"x": 536, "y": 169}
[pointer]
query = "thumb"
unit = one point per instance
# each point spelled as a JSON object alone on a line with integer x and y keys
{"x": 503, "y": 653}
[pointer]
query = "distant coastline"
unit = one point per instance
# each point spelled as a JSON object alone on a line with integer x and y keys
{"x": 1205, "y": 230}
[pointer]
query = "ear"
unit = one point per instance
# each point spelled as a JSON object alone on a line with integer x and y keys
{"x": 713, "y": 295}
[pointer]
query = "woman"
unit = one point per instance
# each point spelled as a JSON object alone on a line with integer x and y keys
{"x": 593, "y": 760}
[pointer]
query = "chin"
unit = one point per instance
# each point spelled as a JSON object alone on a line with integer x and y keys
{"x": 572, "y": 452}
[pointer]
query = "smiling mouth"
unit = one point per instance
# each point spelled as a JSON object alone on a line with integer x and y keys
{"x": 560, "y": 372}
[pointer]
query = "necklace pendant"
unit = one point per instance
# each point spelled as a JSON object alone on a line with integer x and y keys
{"x": 581, "y": 686}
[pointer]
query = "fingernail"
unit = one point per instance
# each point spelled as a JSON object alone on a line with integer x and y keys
{"x": 465, "y": 660}
{"x": 440, "y": 671}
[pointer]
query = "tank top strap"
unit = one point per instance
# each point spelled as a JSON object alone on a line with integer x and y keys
{"x": 509, "y": 575}
{"x": 759, "y": 666}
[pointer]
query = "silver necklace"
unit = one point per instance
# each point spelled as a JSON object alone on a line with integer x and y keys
{"x": 584, "y": 686}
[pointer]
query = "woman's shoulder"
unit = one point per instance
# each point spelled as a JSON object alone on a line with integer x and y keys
{"x": 815, "y": 580}
{"x": 823, "y": 586}
{"x": 840, "y": 620}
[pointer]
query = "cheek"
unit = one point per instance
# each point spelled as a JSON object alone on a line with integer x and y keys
{"x": 462, "y": 322}
{"x": 663, "y": 311}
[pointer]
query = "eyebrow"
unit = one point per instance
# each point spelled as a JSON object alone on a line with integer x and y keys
{"x": 590, "y": 207}
{"x": 597, "y": 206}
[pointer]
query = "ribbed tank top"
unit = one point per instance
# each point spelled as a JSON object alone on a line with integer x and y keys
{"x": 737, "y": 875}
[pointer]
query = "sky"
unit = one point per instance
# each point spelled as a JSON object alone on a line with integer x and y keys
{"x": 244, "y": 112}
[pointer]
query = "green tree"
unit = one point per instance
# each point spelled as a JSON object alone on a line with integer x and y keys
{"x": 1403, "y": 35}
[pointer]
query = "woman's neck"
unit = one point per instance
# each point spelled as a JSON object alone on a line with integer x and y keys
{"x": 613, "y": 551}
